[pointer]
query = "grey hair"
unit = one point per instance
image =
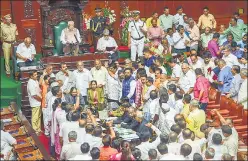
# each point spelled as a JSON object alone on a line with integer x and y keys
{"x": 190, "y": 19}
{"x": 243, "y": 72}
{"x": 72, "y": 135}
{"x": 105, "y": 32}
{"x": 185, "y": 65}
{"x": 194, "y": 103}
{"x": 222, "y": 62}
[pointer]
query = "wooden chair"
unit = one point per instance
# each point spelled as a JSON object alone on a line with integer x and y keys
{"x": 223, "y": 107}
{"x": 243, "y": 127}
{"x": 235, "y": 111}
{"x": 214, "y": 96}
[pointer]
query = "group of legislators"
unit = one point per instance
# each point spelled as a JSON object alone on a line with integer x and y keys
{"x": 163, "y": 100}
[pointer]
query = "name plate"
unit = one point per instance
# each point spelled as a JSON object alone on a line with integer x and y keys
{"x": 28, "y": 68}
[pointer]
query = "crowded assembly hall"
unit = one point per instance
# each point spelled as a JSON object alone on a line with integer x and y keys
{"x": 123, "y": 80}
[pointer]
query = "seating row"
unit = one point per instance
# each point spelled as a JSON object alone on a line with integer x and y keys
{"x": 229, "y": 108}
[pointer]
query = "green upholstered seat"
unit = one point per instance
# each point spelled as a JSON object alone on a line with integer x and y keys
{"x": 124, "y": 54}
{"x": 58, "y": 46}
{"x": 15, "y": 67}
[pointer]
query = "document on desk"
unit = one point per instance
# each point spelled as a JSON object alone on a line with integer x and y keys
{"x": 103, "y": 115}
{"x": 130, "y": 137}
{"x": 7, "y": 120}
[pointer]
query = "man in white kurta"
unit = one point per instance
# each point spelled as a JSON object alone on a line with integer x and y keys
{"x": 107, "y": 44}
{"x": 83, "y": 78}
{"x": 187, "y": 79}
{"x": 70, "y": 38}
{"x": 99, "y": 73}
{"x": 25, "y": 53}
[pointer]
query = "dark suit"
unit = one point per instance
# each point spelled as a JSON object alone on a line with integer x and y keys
{"x": 132, "y": 125}
{"x": 124, "y": 118}
{"x": 97, "y": 25}
{"x": 142, "y": 128}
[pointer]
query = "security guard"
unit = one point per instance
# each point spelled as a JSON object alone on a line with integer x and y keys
{"x": 97, "y": 25}
{"x": 136, "y": 35}
{"x": 8, "y": 35}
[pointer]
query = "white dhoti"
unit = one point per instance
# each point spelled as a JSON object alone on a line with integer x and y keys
{"x": 46, "y": 121}
{"x": 137, "y": 46}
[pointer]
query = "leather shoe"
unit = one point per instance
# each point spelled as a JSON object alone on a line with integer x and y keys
{"x": 8, "y": 75}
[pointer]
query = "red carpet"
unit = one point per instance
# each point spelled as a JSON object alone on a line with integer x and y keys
{"x": 45, "y": 141}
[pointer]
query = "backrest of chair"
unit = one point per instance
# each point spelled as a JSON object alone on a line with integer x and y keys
{"x": 240, "y": 110}
{"x": 14, "y": 50}
{"x": 234, "y": 109}
{"x": 224, "y": 102}
{"x": 57, "y": 33}
{"x": 212, "y": 94}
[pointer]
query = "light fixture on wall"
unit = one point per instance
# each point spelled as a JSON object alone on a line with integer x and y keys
{"x": 241, "y": 10}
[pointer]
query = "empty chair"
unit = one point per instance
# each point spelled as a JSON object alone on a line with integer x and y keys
{"x": 243, "y": 127}
{"x": 222, "y": 107}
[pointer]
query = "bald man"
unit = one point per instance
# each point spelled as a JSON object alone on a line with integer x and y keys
{"x": 70, "y": 38}
{"x": 25, "y": 53}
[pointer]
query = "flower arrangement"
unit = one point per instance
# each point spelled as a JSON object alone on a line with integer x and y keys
{"x": 109, "y": 14}
{"x": 126, "y": 19}
{"x": 87, "y": 19}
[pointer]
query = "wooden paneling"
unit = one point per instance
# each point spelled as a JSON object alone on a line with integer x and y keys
{"x": 28, "y": 23}
{"x": 5, "y": 8}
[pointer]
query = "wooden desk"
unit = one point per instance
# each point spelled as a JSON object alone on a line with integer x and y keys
{"x": 7, "y": 113}
{"x": 24, "y": 145}
{"x": 20, "y": 133}
{"x": 31, "y": 132}
{"x": 14, "y": 124}
{"x": 33, "y": 155}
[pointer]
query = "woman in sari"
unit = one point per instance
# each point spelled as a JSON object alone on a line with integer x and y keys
{"x": 95, "y": 96}
{"x": 59, "y": 117}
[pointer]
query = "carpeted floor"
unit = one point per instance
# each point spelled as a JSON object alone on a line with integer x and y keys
{"x": 45, "y": 141}
{"x": 10, "y": 89}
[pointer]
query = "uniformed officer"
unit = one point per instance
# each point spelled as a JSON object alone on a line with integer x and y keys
{"x": 97, "y": 25}
{"x": 136, "y": 36}
{"x": 8, "y": 35}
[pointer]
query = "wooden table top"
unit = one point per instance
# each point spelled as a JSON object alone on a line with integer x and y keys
{"x": 21, "y": 143}
{"x": 33, "y": 155}
{"x": 7, "y": 113}
{"x": 19, "y": 132}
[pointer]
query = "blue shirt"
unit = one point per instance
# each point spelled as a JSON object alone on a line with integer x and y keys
{"x": 240, "y": 21}
{"x": 241, "y": 44}
{"x": 238, "y": 53}
{"x": 226, "y": 77}
{"x": 149, "y": 62}
{"x": 226, "y": 43}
